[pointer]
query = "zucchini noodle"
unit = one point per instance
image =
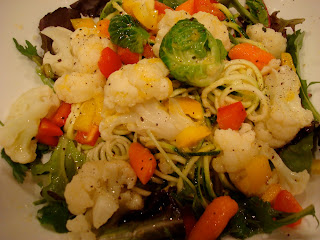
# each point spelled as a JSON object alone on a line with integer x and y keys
{"x": 240, "y": 81}
{"x": 115, "y": 148}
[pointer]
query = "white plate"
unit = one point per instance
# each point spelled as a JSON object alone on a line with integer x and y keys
{"x": 19, "y": 19}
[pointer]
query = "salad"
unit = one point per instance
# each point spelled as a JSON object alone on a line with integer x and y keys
{"x": 165, "y": 114}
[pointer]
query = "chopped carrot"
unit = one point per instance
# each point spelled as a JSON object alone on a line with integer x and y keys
{"x": 187, "y": 6}
{"x": 142, "y": 161}
{"x": 207, "y": 6}
{"x": 103, "y": 26}
{"x": 214, "y": 219}
{"x": 231, "y": 116}
{"x": 286, "y": 202}
{"x": 161, "y": 7}
{"x": 252, "y": 53}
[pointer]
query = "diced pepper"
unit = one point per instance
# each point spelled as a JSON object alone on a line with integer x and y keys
{"x": 88, "y": 138}
{"x": 286, "y": 202}
{"x": 61, "y": 115}
{"x": 82, "y": 22}
{"x": 128, "y": 57}
{"x": 191, "y": 107}
{"x": 286, "y": 59}
{"x": 253, "y": 177}
{"x": 190, "y": 136}
{"x": 48, "y": 128}
{"x": 231, "y": 116}
{"x": 271, "y": 193}
{"x": 207, "y": 6}
{"x": 109, "y": 62}
{"x": 161, "y": 7}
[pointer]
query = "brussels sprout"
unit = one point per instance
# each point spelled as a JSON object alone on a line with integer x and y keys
{"x": 127, "y": 33}
{"x": 192, "y": 54}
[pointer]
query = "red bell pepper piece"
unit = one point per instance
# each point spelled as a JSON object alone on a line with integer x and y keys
{"x": 286, "y": 202}
{"x": 128, "y": 57}
{"x": 231, "y": 116}
{"x": 90, "y": 137}
{"x": 109, "y": 62}
{"x": 61, "y": 115}
{"x": 48, "y": 132}
{"x": 160, "y": 7}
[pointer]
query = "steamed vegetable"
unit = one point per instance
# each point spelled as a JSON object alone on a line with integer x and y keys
{"x": 214, "y": 219}
{"x": 109, "y": 62}
{"x": 231, "y": 116}
{"x": 126, "y": 32}
{"x": 142, "y": 161}
{"x": 252, "y": 53}
{"x": 109, "y": 11}
{"x": 192, "y": 54}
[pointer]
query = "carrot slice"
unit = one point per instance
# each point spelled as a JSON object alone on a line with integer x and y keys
{"x": 161, "y": 7}
{"x": 142, "y": 161}
{"x": 252, "y": 53}
{"x": 214, "y": 219}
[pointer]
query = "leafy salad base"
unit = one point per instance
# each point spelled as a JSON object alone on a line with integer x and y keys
{"x": 17, "y": 74}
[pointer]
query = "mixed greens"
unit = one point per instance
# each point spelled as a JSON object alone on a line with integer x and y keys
{"x": 195, "y": 59}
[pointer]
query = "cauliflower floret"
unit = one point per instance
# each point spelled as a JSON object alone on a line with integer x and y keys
{"x": 86, "y": 48}
{"x": 74, "y": 51}
{"x": 21, "y": 126}
{"x": 62, "y": 61}
{"x": 79, "y": 87}
{"x": 292, "y": 181}
{"x": 136, "y": 83}
{"x": 150, "y": 115}
{"x": 97, "y": 188}
{"x": 286, "y": 116}
{"x": 80, "y": 228}
{"x": 238, "y": 148}
{"x": 273, "y": 41}
{"x": 212, "y": 24}
{"x": 215, "y": 27}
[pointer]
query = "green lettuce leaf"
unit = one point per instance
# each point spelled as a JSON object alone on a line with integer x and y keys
{"x": 259, "y": 11}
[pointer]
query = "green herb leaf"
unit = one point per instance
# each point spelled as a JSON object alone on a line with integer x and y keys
{"x": 294, "y": 44}
{"x": 56, "y": 215}
{"x": 259, "y": 11}
{"x": 127, "y": 33}
{"x": 298, "y": 157}
{"x": 29, "y": 51}
{"x": 256, "y": 216}
{"x": 280, "y": 24}
{"x": 18, "y": 170}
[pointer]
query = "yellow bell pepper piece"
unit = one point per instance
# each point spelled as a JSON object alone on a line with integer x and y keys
{"x": 191, "y": 107}
{"x": 83, "y": 22}
{"x": 143, "y": 11}
{"x": 286, "y": 59}
{"x": 251, "y": 179}
{"x": 315, "y": 167}
{"x": 90, "y": 113}
{"x": 271, "y": 193}
{"x": 190, "y": 136}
